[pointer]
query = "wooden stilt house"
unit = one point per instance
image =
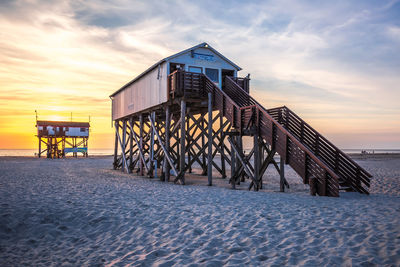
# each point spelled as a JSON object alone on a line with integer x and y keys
{"x": 191, "y": 108}
{"x": 58, "y": 138}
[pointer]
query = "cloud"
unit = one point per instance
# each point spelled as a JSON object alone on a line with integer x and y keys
{"x": 393, "y": 32}
{"x": 319, "y": 57}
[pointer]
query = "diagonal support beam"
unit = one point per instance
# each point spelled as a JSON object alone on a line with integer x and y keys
{"x": 122, "y": 148}
{"x": 166, "y": 153}
{"x": 144, "y": 163}
{"x": 240, "y": 156}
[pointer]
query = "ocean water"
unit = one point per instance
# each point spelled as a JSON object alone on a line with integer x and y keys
{"x": 371, "y": 151}
{"x": 33, "y": 152}
{"x": 105, "y": 152}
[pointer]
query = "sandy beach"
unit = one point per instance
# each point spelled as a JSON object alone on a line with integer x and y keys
{"x": 80, "y": 212}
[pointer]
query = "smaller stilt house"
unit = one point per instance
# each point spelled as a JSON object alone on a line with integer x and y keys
{"x": 58, "y": 138}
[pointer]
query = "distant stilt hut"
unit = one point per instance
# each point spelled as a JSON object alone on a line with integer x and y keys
{"x": 62, "y": 137}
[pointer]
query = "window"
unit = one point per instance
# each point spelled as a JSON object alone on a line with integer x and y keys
{"x": 195, "y": 69}
{"x": 83, "y": 129}
{"x": 176, "y": 66}
{"x": 66, "y": 129}
{"x": 212, "y": 74}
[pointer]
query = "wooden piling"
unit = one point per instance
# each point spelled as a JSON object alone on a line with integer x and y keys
{"x": 167, "y": 141}
{"x": 233, "y": 167}
{"x": 256, "y": 162}
{"x": 203, "y": 143}
{"x": 188, "y": 143}
{"x": 313, "y": 186}
{"x": 182, "y": 141}
{"x": 123, "y": 145}
{"x": 40, "y": 146}
{"x": 210, "y": 140}
{"x": 282, "y": 175}
{"x": 116, "y": 124}
{"x": 221, "y": 122}
{"x": 151, "y": 174}
{"x": 141, "y": 143}
{"x": 130, "y": 145}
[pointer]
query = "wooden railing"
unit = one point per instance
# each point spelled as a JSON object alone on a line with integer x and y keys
{"x": 297, "y": 155}
{"x": 350, "y": 173}
{"x": 181, "y": 83}
{"x": 244, "y": 83}
{"x": 307, "y": 152}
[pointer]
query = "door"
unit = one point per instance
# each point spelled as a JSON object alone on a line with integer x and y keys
{"x": 175, "y": 66}
{"x": 225, "y": 73}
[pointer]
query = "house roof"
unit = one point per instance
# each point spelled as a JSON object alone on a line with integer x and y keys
{"x": 205, "y": 45}
{"x": 63, "y": 124}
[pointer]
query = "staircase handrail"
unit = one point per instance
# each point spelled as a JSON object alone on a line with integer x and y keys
{"x": 294, "y": 139}
{"x": 336, "y": 150}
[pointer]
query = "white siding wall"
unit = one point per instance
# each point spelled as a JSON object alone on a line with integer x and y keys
{"x": 146, "y": 92}
{"x": 72, "y": 131}
{"x": 75, "y": 131}
{"x": 149, "y": 91}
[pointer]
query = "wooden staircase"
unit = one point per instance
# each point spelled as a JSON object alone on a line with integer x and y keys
{"x": 309, "y": 153}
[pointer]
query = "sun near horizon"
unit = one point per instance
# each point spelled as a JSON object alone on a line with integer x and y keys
{"x": 336, "y": 65}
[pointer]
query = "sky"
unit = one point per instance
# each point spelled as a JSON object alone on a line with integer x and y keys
{"x": 334, "y": 63}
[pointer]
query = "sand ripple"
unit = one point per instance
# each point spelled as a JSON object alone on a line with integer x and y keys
{"x": 79, "y": 213}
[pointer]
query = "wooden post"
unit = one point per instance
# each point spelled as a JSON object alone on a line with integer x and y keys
{"x": 178, "y": 150}
{"x": 48, "y": 154}
{"x": 282, "y": 175}
{"x": 40, "y": 146}
{"x": 210, "y": 140}
{"x": 221, "y": 121}
{"x": 203, "y": 143}
{"x": 141, "y": 151}
{"x": 238, "y": 163}
{"x": 189, "y": 155}
{"x": 262, "y": 159}
{"x": 183, "y": 137}
{"x": 166, "y": 152}
{"x": 243, "y": 161}
{"x": 152, "y": 146}
{"x": 233, "y": 167}
{"x": 256, "y": 162}
{"x": 63, "y": 147}
{"x": 75, "y": 147}
{"x": 313, "y": 186}
{"x": 130, "y": 145}
{"x": 120, "y": 141}
{"x": 141, "y": 144}
{"x": 123, "y": 143}
{"x": 167, "y": 142}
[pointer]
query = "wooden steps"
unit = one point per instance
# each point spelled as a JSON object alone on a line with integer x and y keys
{"x": 310, "y": 154}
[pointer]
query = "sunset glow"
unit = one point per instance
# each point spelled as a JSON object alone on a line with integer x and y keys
{"x": 337, "y": 65}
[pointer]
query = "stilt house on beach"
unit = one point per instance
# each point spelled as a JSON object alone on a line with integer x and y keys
{"x": 192, "y": 107}
{"x": 62, "y": 137}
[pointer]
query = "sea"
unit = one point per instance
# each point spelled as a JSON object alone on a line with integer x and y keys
{"x": 33, "y": 152}
{"x": 106, "y": 152}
